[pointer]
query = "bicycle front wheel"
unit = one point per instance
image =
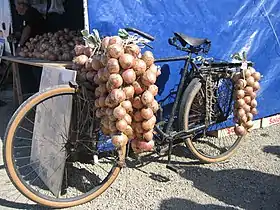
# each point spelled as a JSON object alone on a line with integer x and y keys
{"x": 208, "y": 145}
{"x": 83, "y": 177}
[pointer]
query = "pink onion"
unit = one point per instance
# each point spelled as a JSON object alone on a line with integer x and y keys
{"x": 129, "y": 76}
{"x": 126, "y": 61}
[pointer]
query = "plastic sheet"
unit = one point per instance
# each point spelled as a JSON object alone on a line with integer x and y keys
{"x": 232, "y": 26}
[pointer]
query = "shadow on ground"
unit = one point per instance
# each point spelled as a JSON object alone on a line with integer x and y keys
{"x": 275, "y": 150}
{"x": 242, "y": 188}
{"x": 16, "y": 205}
{"x": 180, "y": 204}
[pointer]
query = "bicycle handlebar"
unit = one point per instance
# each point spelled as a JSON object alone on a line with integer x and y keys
{"x": 141, "y": 33}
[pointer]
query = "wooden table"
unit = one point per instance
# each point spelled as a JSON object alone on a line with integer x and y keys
{"x": 18, "y": 96}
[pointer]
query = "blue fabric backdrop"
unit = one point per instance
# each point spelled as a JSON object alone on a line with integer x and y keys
{"x": 233, "y": 26}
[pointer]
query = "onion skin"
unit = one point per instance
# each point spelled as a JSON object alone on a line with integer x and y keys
{"x": 250, "y": 81}
{"x": 79, "y": 49}
{"x": 240, "y": 113}
{"x": 249, "y": 124}
{"x": 121, "y": 125}
{"x": 113, "y": 66}
{"x": 115, "y": 81}
{"x": 119, "y": 140}
{"x": 129, "y": 76}
{"x": 144, "y": 146}
{"x": 240, "y": 103}
{"x": 80, "y": 60}
{"x": 247, "y": 100}
{"x": 137, "y": 103}
{"x": 101, "y": 101}
{"x": 138, "y": 88}
{"x": 254, "y": 103}
{"x": 88, "y": 51}
{"x": 243, "y": 119}
{"x": 117, "y": 96}
{"x": 96, "y": 64}
{"x": 133, "y": 50}
{"x": 129, "y": 132}
{"x": 139, "y": 67}
{"x": 119, "y": 112}
{"x": 253, "y": 95}
{"x": 128, "y": 119}
{"x": 149, "y": 78}
{"x": 256, "y": 86}
{"x": 241, "y": 84}
{"x": 153, "y": 89}
{"x": 126, "y": 61}
{"x": 149, "y": 124}
{"x": 138, "y": 127}
{"x": 247, "y": 73}
{"x": 252, "y": 70}
{"x": 105, "y": 42}
{"x": 246, "y": 108}
{"x": 254, "y": 111}
{"x": 115, "y": 40}
{"x": 248, "y": 90}
{"x": 147, "y": 113}
{"x": 148, "y": 57}
{"x": 257, "y": 76}
{"x": 240, "y": 130}
{"x": 147, "y": 97}
{"x": 115, "y": 51}
{"x": 148, "y": 136}
{"x": 239, "y": 94}
{"x": 105, "y": 131}
{"x": 236, "y": 76}
{"x": 129, "y": 91}
{"x": 127, "y": 105}
{"x": 249, "y": 116}
{"x": 138, "y": 116}
{"x": 154, "y": 106}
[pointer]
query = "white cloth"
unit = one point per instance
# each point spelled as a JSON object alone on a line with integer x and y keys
{"x": 57, "y": 6}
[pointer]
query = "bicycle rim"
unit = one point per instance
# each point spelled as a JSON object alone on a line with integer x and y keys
{"x": 20, "y": 181}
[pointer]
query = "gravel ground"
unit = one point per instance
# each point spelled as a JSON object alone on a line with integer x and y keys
{"x": 249, "y": 180}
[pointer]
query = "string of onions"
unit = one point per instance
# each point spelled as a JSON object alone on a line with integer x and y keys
{"x": 245, "y": 106}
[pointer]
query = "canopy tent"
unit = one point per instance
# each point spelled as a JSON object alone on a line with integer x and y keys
{"x": 232, "y": 26}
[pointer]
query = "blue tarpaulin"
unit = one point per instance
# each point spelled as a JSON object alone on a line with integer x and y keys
{"x": 231, "y": 25}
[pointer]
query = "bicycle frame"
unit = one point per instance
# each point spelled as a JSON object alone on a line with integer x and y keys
{"x": 183, "y": 83}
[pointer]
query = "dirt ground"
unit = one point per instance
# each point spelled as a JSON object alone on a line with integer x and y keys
{"x": 248, "y": 180}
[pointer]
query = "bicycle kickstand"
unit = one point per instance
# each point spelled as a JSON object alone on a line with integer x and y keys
{"x": 169, "y": 165}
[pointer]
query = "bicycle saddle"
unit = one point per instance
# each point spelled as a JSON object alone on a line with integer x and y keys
{"x": 194, "y": 42}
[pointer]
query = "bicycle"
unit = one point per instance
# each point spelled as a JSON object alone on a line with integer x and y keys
{"x": 197, "y": 108}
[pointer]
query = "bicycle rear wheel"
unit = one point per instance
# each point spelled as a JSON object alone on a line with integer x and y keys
{"x": 207, "y": 145}
{"x": 83, "y": 178}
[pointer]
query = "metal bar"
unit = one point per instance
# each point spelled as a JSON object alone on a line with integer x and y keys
{"x": 188, "y": 132}
{"x": 178, "y": 95}
{"x": 178, "y": 58}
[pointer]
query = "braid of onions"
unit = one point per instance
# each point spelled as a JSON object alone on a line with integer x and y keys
{"x": 125, "y": 89}
{"x": 245, "y": 103}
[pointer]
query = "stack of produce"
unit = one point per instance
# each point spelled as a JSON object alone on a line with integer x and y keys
{"x": 126, "y": 94}
{"x": 246, "y": 87}
{"x": 57, "y": 46}
{"x": 125, "y": 102}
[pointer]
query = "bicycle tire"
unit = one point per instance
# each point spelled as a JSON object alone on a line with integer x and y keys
{"x": 10, "y": 167}
{"x": 187, "y": 100}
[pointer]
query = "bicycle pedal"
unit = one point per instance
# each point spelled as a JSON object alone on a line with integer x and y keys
{"x": 174, "y": 168}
